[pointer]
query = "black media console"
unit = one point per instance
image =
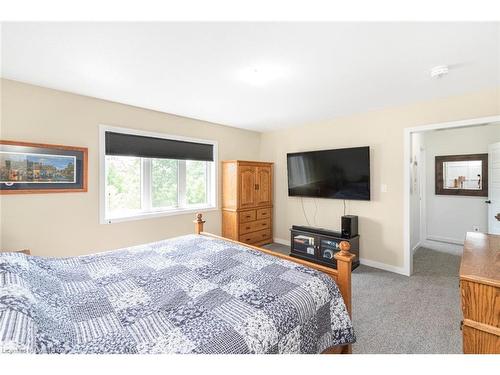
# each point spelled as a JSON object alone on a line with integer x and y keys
{"x": 319, "y": 245}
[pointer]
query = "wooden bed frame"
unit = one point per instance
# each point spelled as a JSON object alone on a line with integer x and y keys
{"x": 341, "y": 275}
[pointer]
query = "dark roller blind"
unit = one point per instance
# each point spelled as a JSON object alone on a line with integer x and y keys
{"x": 150, "y": 147}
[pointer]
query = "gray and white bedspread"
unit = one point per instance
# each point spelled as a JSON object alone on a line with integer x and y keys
{"x": 191, "y": 294}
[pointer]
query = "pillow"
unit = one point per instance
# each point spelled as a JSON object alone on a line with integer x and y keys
{"x": 17, "y": 303}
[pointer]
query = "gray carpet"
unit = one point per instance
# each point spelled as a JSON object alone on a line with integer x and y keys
{"x": 396, "y": 314}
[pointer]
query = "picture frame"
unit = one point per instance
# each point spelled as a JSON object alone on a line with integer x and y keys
{"x": 481, "y": 178}
{"x": 38, "y": 168}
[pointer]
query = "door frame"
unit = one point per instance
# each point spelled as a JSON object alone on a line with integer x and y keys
{"x": 408, "y": 256}
{"x": 423, "y": 196}
{"x": 491, "y": 222}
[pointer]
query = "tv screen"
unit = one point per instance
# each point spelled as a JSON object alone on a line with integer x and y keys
{"x": 340, "y": 174}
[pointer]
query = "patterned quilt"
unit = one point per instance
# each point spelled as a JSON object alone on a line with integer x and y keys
{"x": 190, "y": 294}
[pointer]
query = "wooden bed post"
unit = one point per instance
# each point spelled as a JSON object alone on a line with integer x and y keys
{"x": 344, "y": 267}
{"x": 198, "y": 223}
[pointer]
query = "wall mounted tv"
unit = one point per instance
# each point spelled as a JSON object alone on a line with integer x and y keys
{"x": 339, "y": 174}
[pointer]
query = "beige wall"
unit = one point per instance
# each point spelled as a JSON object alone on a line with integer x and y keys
{"x": 381, "y": 219}
{"x": 68, "y": 223}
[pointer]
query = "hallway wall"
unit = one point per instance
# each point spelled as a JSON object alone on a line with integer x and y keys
{"x": 448, "y": 218}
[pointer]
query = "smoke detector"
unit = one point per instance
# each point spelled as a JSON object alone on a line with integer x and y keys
{"x": 439, "y": 71}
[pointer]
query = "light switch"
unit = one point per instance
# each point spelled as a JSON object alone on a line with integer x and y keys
{"x": 383, "y": 188}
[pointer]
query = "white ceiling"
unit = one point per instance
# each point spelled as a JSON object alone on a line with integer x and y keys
{"x": 306, "y": 71}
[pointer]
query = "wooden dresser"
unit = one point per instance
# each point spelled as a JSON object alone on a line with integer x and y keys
{"x": 480, "y": 293}
{"x": 247, "y": 201}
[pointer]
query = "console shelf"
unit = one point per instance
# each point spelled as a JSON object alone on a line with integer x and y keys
{"x": 319, "y": 245}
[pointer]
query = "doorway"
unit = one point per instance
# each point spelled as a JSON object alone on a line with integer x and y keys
{"x": 450, "y": 218}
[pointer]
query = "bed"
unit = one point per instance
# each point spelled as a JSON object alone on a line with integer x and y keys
{"x": 198, "y": 293}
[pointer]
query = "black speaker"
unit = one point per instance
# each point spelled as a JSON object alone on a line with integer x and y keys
{"x": 349, "y": 226}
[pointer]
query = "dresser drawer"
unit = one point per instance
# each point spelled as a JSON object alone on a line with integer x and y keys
{"x": 263, "y": 213}
{"x": 480, "y": 303}
{"x": 254, "y": 226}
{"x": 477, "y": 341}
{"x": 246, "y": 216}
{"x": 255, "y": 237}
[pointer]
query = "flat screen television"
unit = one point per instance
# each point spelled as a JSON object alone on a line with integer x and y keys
{"x": 339, "y": 174}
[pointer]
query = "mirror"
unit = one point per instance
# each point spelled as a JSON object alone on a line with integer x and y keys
{"x": 462, "y": 175}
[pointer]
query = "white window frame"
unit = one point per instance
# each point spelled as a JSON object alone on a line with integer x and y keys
{"x": 212, "y": 178}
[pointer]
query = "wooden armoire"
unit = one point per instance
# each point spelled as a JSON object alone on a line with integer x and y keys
{"x": 247, "y": 201}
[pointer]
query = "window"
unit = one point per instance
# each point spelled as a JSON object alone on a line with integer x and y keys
{"x": 146, "y": 174}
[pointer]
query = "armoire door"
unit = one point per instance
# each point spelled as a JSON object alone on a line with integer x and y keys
{"x": 264, "y": 186}
{"x": 248, "y": 181}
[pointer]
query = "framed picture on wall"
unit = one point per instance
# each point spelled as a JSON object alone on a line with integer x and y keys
{"x": 41, "y": 168}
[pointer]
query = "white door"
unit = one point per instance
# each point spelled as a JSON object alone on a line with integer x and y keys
{"x": 494, "y": 188}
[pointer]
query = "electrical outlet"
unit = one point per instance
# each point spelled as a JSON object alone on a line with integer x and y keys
{"x": 475, "y": 228}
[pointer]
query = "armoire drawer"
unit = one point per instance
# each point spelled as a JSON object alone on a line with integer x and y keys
{"x": 255, "y": 237}
{"x": 263, "y": 213}
{"x": 246, "y": 216}
{"x": 254, "y": 226}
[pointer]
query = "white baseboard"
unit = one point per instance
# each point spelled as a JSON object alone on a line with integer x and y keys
{"x": 444, "y": 247}
{"x": 281, "y": 241}
{"x": 416, "y": 247}
{"x": 448, "y": 240}
{"x": 383, "y": 266}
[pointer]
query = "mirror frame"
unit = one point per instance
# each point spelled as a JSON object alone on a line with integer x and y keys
{"x": 439, "y": 188}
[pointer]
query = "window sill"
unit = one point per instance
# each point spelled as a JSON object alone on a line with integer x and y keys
{"x": 151, "y": 215}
